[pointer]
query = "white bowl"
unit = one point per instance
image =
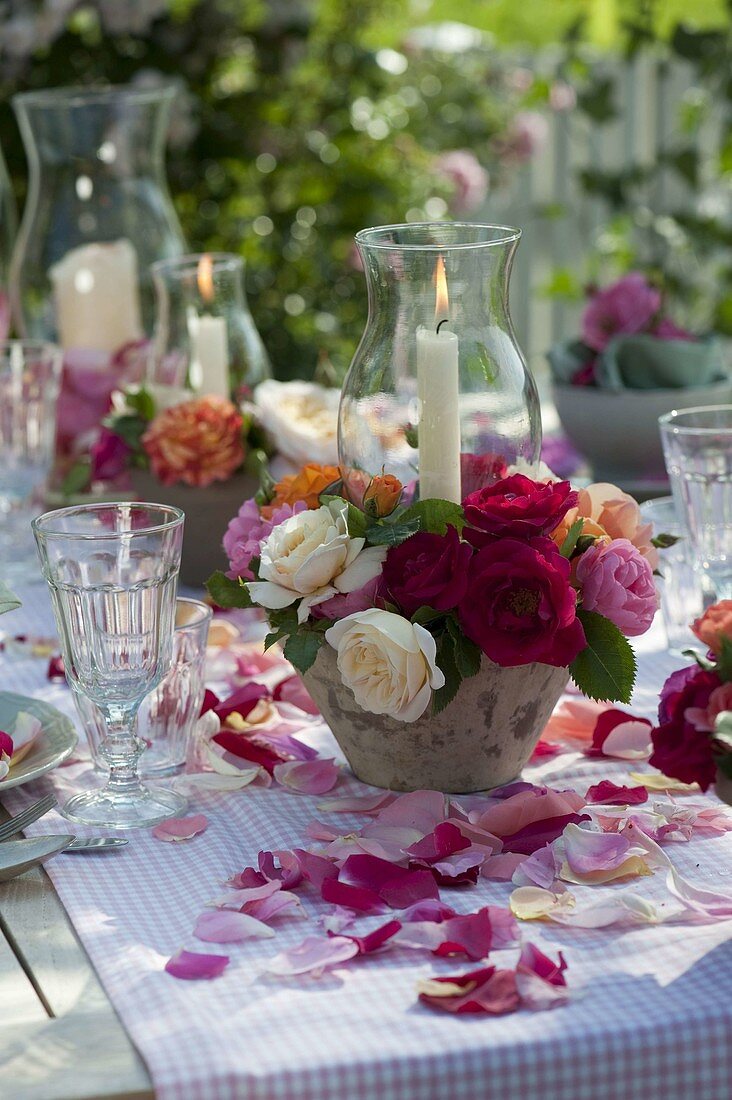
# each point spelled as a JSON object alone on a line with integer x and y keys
{"x": 618, "y": 433}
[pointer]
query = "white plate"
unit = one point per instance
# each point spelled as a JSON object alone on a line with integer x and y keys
{"x": 55, "y": 743}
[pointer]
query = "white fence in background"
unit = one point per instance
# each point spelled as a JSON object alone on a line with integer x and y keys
{"x": 650, "y": 93}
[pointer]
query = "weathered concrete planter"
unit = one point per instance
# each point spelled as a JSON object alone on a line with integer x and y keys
{"x": 208, "y": 512}
{"x": 482, "y": 739}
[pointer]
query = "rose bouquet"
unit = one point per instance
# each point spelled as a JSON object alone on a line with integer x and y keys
{"x": 693, "y": 738}
{"x": 413, "y": 598}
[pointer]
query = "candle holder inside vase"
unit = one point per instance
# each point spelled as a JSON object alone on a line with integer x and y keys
{"x": 205, "y": 337}
{"x": 438, "y": 393}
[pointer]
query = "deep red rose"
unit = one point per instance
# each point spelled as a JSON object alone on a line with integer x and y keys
{"x": 517, "y": 507}
{"x": 109, "y": 456}
{"x": 519, "y": 606}
{"x": 427, "y": 570}
{"x": 680, "y": 750}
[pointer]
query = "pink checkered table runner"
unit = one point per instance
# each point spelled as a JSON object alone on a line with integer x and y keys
{"x": 650, "y": 1017}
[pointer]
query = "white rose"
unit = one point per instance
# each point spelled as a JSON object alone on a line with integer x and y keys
{"x": 311, "y": 555}
{"x": 302, "y": 419}
{"x": 387, "y": 662}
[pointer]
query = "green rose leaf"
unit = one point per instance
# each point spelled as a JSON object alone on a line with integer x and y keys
{"x": 446, "y": 661}
{"x": 76, "y": 478}
{"x": 424, "y": 615}
{"x": 226, "y": 592}
{"x": 605, "y": 670}
{"x": 391, "y": 534}
{"x": 8, "y": 600}
{"x": 724, "y": 660}
{"x": 467, "y": 653}
{"x": 570, "y": 542}
{"x": 302, "y": 647}
{"x": 434, "y": 516}
{"x": 663, "y": 542}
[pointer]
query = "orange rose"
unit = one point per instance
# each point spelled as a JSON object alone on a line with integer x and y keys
{"x": 619, "y": 516}
{"x": 589, "y": 527}
{"x": 714, "y": 625}
{"x": 382, "y": 495}
{"x": 305, "y": 486}
{"x": 197, "y": 442}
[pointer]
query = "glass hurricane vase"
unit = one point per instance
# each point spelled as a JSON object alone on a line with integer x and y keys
{"x": 438, "y": 393}
{"x": 98, "y": 213}
{"x": 112, "y": 570}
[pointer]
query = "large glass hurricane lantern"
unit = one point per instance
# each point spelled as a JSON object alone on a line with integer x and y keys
{"x": 438, "y": 393}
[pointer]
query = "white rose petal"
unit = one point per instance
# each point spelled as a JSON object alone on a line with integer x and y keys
{"x": 387, "y": 662}
{"x": 302, "y": 419}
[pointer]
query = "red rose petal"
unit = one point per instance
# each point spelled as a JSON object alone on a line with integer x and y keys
{"x": 608, "y": 794}
{"x": 397, "y": 886}
{"x": 376, "y": 939}
{"x": 315, "y": 869}
{"x": 538, "y": 833}
{"x": 444, "y": 840}
{"x": 486, "y": 990}
{"x": 6, "y": 744}
{"x": 351, "y": 897}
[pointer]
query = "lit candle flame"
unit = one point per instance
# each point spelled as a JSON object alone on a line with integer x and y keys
{"x": 442, "y": 302}
{"x": 205, "y": 278}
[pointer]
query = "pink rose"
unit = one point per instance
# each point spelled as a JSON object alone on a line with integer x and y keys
{"x": 246, "y": 531}
{"x": 704, "y": 718}
{"x": 467, "y": 176}
{"x": 526, "y": 136}
{"x": 617, "y": 582}
{"x": 666, "y": 329}
{"x": 625, "y": 306}
{"x": 348, "y": 603}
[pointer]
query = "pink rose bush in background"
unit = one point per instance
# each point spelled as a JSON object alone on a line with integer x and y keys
{"x": 414, "y": 600}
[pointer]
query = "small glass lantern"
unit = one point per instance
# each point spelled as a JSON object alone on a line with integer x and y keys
{"x": 205, "y": 338}
{"x": 438, "y": 392}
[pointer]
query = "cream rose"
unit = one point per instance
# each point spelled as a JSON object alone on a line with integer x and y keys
{"x": 387, "y": 662}
{"x": 302, "y": 419}
{"x": 311, "y": 557}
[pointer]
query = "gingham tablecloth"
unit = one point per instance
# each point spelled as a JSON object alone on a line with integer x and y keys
{"x": 650, "y": 1018}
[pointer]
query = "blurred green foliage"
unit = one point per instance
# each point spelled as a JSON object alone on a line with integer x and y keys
{"x": 296, "y": 130}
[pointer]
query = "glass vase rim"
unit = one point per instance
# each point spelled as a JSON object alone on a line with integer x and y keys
{"x": 669, "y": 422}
{"x": 220, "y": 261}
{"x": 177, "y": 516}
{"x": 369, "y": 238}
{"x": 87, "y": 95}
{"x": 35, "y": 345}
{"x": 203, "y": 612}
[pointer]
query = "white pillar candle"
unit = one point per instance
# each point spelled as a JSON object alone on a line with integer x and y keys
{"x": 438, "y": 391}
{"x": 96, "y": 297}
{"x": 209, "y": 366}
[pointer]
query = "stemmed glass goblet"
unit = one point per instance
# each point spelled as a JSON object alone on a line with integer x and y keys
{"x": 112, "y": 570}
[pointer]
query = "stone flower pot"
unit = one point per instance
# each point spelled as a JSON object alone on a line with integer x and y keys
{"x": 208, "y": 512}
{"x": 482, "y": 739}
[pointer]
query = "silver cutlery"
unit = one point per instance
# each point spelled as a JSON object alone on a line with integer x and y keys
{"x": 18, "y": 856}
{"x": 96, "y": 844}
{"x": 26, "y": 817}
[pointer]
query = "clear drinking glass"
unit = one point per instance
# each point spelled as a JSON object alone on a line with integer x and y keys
{"x": 678, "y": 586}
{"x": 30, "y": 374}
{"x": 697, "y": 445}
{"x": 112, "y": 570}
{"x": 167, "y": 715}
{"x": 205, "y": 337}
{"x": 438, "y": 392}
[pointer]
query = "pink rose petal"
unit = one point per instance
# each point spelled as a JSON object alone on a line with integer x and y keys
{"x": 376, "y": 939}
{"x": 191, "y": 966}
{"x": 289, "y": 872}
{"x": 470, "y": 935}
{"x": 460, "y": 869}
{"x": 501, "y": 867}
{"x": 315, "y": 868}
{"x": 444, "y": 840}
{"x": 223, "y": 926}
{"x": 621, "y": 735}
{"x": 428, "y": 909}
{"x": 587, "y": 851}
{"x": 6, "y": 744}
{"x": 308, "y": 777}
{"x": 314, "y": 955}
{"x": 538, "y": 833}
{"x": 421, "y": 810}
{"x": 176, "y": 829}
{"x": 486, "y": 990}
{"x": 292, "y": 690}
{"x": 351, "y": 897}
{"x": 318, "y": 830}
{"x": 265, "y": 909}
{"x": 510, "y": 815}
{"x": 338, "y": 919}
{"x": 541, "y": 982}
{"x": 607, "y": 793}
{"x": 538, "y": 869}
{"x": 56, "y": 669}
{"x": 237, "y": 899}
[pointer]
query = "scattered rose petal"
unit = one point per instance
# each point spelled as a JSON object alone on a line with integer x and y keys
{"x": 289, "y": 872}
{"x": 486, "y": 990}
{"x": 318, "y": 830}
{"x": 376, "y": 939}
{"x": 618, "y": 909}
{"x": 351, "y": 897}
{"x": 607, "y": 793}
{"x": 223, "y": 926}
{"x": 6, "y": 744}
{"x": 397, "y": 886}
{"x": 238, "y": 899}
{"x": 192, "y": 966}
{"x": 26, "y": 731}
{"x": 56, "y": 669}
{"x": 544, "y": 750}
{"x": 338, "y": 919}
{"x": 314, "y": 955}
{"x": 460, "y": 869}
{"x": 538, "y": 869}
{"x": 357, "y": 804}
{"x": 534, "y": 836}
{"x": 632, "y": 867}
{"x": 308, "y": 777}
{"x": 587, "y": 851}
{"x": 510, "y": 815}
{"x": 428, "y": 909}
{"x": 574, "y": 721}
{"x": 444, "y": 840}
{"x": 292, "y": 690}
{"x": 421, "y": 810}
{"x": 315, "y": 868}
{"x": 534, "y": 903}
{"x": 244, "y": 746}
{"x": 213, "y": 781}
{"x": 621, "y": 735}
{"x": 265, "y": 909}
{"x": 176, "y": 829}
{"x": 541, "y": 982}
{"x": 502, "y": 867}
{"x": 655, "y": 782}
